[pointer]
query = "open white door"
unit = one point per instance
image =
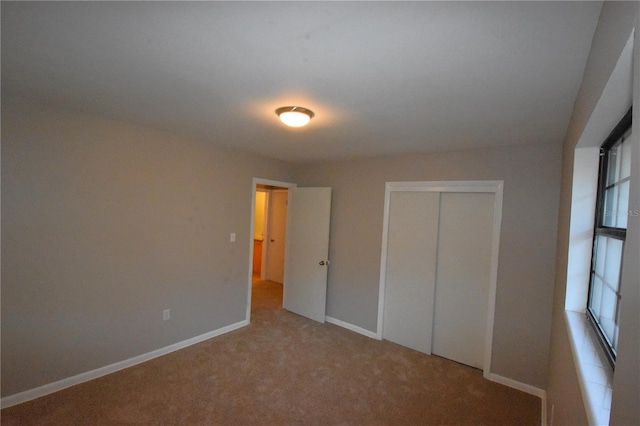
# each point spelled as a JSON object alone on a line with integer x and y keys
{"x": 306, "y": 262}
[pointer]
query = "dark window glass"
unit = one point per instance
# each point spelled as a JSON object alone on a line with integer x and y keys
{"x": 612, "y": 213}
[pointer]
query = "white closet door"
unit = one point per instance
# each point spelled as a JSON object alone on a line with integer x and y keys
{"x": 410, "y": 270}
{"x": 463, "y": 274}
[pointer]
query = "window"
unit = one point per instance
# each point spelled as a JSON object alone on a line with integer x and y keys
{"x": 612, "y": 212}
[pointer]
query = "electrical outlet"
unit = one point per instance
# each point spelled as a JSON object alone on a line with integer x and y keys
{"x": 166, "y": 314}
{"x": 232, "y": 237}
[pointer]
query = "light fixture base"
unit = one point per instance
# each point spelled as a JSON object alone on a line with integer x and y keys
{"x": 294, "y": 116}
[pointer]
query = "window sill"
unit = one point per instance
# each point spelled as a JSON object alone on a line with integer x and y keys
{"x": 595, "y": 375}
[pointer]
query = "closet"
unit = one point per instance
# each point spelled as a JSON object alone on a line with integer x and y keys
{"x": 439, "y": 267}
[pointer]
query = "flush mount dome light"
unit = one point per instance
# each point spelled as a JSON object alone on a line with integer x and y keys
{"x": 294, "y": 116}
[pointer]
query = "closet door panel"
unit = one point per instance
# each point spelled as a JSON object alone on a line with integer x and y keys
{"x": 410, "y": 269}
{"x": 463, "y": 274}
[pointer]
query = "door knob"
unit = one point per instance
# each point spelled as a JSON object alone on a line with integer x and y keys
{"x": 322, "y": 263}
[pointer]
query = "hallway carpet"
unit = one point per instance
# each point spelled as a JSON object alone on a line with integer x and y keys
{"x": 284, "y": 369}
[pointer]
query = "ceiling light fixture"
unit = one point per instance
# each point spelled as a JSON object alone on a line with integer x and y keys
{"x": 294, "y": 116}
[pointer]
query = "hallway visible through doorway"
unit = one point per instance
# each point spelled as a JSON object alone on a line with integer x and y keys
{"x": 269, "y": 244}
{"x": 265, "y": 294}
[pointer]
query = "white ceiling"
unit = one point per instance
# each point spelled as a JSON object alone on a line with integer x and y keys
{"x": 383, "y": 78}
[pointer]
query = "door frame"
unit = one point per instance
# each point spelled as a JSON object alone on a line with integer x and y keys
{"x": 254, "y": 187}
{"x": 487, "y": 186}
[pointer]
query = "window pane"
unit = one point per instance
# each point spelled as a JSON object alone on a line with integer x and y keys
{"x": 614, "y": 342}
{"x": 596, "y": 296}
{"x": 607, "y": 315}
{"x": 625, "y": 162}
{"x": 600, "y": 255}
{"x": 623, "y": 206}
{"x": 613, "y": 166}
{"x": 615, "y": 206}
{"x": 613, "y": 262}
{"x": 610, "y": 203}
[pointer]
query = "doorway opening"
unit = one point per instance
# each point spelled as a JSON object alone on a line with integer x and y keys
{"x": 269, "y": 231}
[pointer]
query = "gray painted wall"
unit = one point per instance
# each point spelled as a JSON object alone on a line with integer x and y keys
{"x": 563, "y": 394}
{"x": 105, "y": 225}
{"x": 527, "y": 247}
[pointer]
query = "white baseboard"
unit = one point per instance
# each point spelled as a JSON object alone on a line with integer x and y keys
{"x": 352, "y": 327}
{"x": 49, "y": 388}
{"x": 514, "y": 384}
{"x": 532, "y": 390}
{"x": 112, "y": 368}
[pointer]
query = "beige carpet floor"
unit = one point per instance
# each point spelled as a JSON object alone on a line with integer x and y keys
{"x": 284, "y": 369}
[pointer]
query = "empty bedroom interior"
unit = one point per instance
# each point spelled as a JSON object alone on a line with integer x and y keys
{"x": 135, "y": 136}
